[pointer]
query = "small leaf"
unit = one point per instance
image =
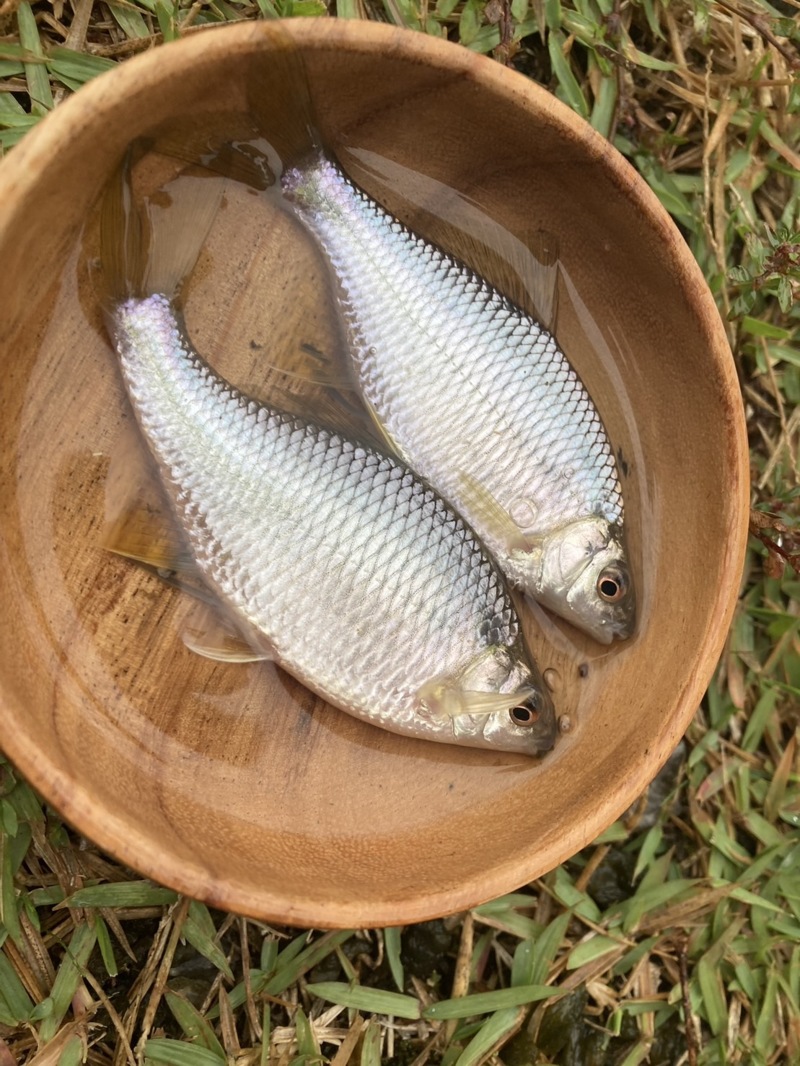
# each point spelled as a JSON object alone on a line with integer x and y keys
{"x": 287, "y": 972}
{"x": 304, "y": 1034}
{"x": 193, "y": 1024}
{"x": 785, "y": 295}
{"x": 122, "y": 894}
{"x": 68, "y": 977}
{"x": 485, "y": 1002}
{"x": 492, "y": 1035}
{"x": 35, "y": 70}
{"x": 72, "y": 1052}
{"x": 176, "y": 1053}
{"x": 567, "y": 81}
{"x": 758, "y": 328}
{"x": 8, "y": 816}
{"x": 592, "y": 949}
{"x": 197, "y": 933}
{"x": 15, "y": 1003}
{"x": 391, "y": 942}
{"x": 372, "y": 1000}
{"x": 105, "y": 946}
{"x": 129, "y": 20}
{"x": 713, "y": 993}
{"x": 371, "y": 1045}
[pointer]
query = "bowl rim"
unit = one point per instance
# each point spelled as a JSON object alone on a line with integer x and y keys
{"x": 19, "y": 173}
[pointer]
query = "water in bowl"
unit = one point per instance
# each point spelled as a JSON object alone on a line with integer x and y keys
{"x": 211, "y": 737}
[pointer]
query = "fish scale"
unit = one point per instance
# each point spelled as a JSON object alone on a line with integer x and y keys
{"x": 367, "y": 586}
{"x": 477, "y": 397}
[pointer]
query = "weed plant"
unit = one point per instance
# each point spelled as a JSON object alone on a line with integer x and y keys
{"x": 675, "y": 937}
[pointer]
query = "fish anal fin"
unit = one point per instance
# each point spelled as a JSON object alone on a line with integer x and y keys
{"x": 308, "y": 367}
{"x": 143, "y": 533}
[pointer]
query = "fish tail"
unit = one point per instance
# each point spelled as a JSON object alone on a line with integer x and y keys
{"x": 275, "y": 130}
{"x": 153, "y": 248}
{"x": 279, "y": 98}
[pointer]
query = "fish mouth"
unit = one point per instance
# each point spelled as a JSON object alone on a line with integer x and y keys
{"x": 546, "y": 740}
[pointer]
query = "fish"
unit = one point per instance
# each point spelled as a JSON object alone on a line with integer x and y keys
{"x": 463, "y": 385}
{"x": 479, "y": 400}
{"x": 332, "y": 559}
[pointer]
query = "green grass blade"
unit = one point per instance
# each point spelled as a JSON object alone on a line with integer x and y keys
{"x": 74, "y": 69}
{"x": 570, "y": 89}
{"x": 199, "y": 931}
{"x": 15, "y": 1003}
{"x": 176, "y": 1053}
{"x": 68, "y": 978}
{"x": 106, "y": 947}
{"x": 485, "y": 1002}
{"x": 371, "y": 1045}
{"x": 35, "y": 72}
{"x": 374, "y": 1000}
{"x": 129, "y": 20}
{"x": 306, "y": 960}
{"x": 493, "y": 1034}
{"x": 194, "y": 1025}
{"x": 391, "y": 943}
{"x": 9, "y": 914}
{"x": 72, "y": 1052}
{"x": 122, "y": 894}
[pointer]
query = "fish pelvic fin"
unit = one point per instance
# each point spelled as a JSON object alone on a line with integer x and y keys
{"x": 153, "y": 248}
{"x": 443, "y": 696}
{"x": 487, "y": 512}
{"x": 212, "y": 634}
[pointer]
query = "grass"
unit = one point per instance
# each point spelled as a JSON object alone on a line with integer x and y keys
{"x": 675, "y": 937}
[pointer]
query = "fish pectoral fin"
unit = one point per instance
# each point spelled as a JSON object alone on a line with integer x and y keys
{"x": 444, "y": 696}
{"x": 210, "y": 633}
{"x": 480, "y": 503}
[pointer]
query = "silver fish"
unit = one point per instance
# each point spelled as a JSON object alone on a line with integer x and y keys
{"x": 478, "y": 398}
{"x": 336, "y": 560}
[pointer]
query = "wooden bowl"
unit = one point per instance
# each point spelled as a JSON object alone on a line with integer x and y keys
{"x": 233, "y": 783}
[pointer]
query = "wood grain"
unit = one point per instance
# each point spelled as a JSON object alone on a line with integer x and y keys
{"x": 234, "y": 783}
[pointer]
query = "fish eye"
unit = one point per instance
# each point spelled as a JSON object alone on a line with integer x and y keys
{"x": 612, "y": 585}
{"x": 526, "y": 713}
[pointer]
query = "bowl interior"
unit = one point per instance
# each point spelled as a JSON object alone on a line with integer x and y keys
{"x": 233, "y": 782}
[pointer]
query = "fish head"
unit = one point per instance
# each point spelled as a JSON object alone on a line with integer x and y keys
{"x": 586, "y": 580}
{"x": 498, "y": 700}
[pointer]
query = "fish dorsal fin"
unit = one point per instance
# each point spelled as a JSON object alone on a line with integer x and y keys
{"x": 523, "y": 266}
{"x": 212, "y": 634}
{"x": 483, "y": 509}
